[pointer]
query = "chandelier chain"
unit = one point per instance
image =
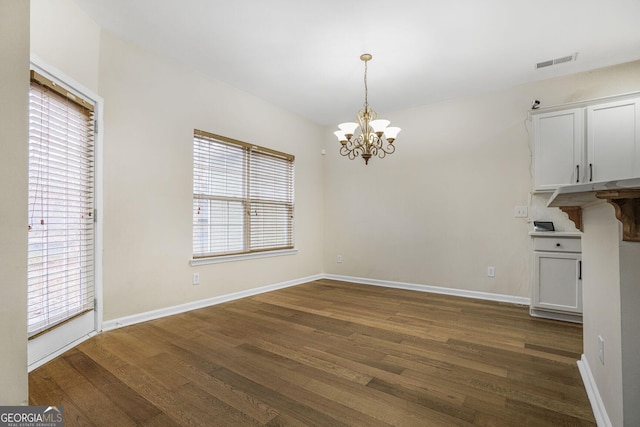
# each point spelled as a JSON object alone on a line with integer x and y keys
{"x": 366, "y": 88}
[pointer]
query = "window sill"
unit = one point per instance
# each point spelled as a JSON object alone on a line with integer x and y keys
{"x": 241, "y": 257}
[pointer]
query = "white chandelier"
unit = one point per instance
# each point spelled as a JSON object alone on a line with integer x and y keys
{"x": 370, "y": 136}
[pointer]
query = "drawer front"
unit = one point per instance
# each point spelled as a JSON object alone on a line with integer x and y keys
{"x": 556, "y": 244}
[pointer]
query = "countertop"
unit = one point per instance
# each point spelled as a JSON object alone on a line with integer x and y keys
{"x": 584, "y": 194}
{"x": 555, "y": 234}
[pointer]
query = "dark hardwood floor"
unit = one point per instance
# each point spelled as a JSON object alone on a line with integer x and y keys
{"x": 326, "y": 353}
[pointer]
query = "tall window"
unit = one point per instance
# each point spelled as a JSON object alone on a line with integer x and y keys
{"x": 60, "y": 211}
{"x": 242, "y": 197}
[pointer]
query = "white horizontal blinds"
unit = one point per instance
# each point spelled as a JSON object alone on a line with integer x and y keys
{"x": 242, "y": 197}
{"x": 271, "y": 201}
{"x": 218, "y": 197}
{"x": 60, "y": 210}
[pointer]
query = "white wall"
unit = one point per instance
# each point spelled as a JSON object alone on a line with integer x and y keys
{"x": 630, "y": 327}
{"x": 611, "y": 297}
{"x": 440, "y": 210}
{"x": 601, "y": 302}
{"x": 14, "y": 89}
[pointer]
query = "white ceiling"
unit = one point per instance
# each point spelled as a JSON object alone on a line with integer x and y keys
{"x": 303, "y": 55}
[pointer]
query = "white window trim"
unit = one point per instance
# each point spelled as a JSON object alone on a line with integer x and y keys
{"x": 262, "y": 253}
{"x": 240, "y": 257}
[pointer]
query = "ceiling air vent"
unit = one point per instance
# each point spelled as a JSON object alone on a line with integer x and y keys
{"x": 557, "y": 61}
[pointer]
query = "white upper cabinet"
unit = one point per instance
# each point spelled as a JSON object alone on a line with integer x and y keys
{"x": 613, "y": 140}
{"x": 599, "y": 142}
{"x": 558, "y": 144}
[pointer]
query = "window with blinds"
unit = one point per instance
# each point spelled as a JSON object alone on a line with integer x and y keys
{"x": 242, "y": 197}
{"x": 60, "y": 210}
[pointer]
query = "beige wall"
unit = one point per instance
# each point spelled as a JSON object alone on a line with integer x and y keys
{"x": 64, "y": 37}
{"x": 152, "y": 106}
{"x": 437, "y": 212}
{"x": 440, "y": 210}
{"x": 14, "y": 89}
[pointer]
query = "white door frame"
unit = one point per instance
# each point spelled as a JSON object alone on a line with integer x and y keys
{"x": 61, "y": 338}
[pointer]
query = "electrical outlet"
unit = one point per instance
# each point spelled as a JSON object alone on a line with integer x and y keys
{"x": 520, "y": 211}
{"x": 601, "y": 349}
{"x": 491, "y": 271}
{"x": 339, "y": 259}
{"x": 196, "y": 278}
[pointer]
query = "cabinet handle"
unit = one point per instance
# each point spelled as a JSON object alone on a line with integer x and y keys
{"x": 577, "y": 173}
{"x": 558, "y": 245}
{"x": 579, "y": 270}
{"x": 590, "y": 172}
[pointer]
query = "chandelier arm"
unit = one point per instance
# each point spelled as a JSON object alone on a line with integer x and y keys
{"x": 347, "y": 153}
{"x": 353, "y": 148}
{"x": 389, "y": 149}
{"x": 357, "y": 143}
{"x": 377, "y": 141}
{"x": 361, "y": 149}
{"x": 344, "y": 151}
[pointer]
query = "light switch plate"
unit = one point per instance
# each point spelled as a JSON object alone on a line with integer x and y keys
{"x": 520, "y": 211}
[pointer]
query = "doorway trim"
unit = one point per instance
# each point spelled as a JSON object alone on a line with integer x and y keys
{"x": 55, "y": 74}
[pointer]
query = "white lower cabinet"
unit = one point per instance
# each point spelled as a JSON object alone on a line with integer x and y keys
{"x": 557, "y": 278}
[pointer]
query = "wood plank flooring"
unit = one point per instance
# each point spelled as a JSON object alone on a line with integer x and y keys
{"x": 326, "y": 353}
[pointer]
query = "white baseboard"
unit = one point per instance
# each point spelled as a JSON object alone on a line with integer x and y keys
{"x": 168, "y": 311}
{"x": 565, "y": 317}
{"x": 597, "y": 405}
{"x": 177, "y": 309}
{"x": 432, "y": 289}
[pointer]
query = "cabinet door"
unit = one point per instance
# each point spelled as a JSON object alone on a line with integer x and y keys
{"x": 558, "y": 148}
{"x": 557, "y": 281}
{"x": 613, "y": 141}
